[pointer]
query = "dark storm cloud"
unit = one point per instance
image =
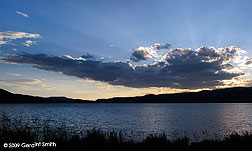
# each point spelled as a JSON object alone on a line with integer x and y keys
{"x": 248, "y": 61}
{"x": 143, "y": 53}
{"x": 88, "y": 56}
{"x": 138, "y": 55}
{"x": 166, "y": 46}
{"x": 180, "y": 68}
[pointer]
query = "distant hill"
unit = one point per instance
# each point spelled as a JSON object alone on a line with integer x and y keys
{"x": 8, "y": 97}
{"x": 68, "y": 100}
{"x": 227, "y": 95}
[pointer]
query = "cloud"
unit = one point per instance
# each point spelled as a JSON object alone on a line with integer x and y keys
{"x": 28, "y": 43}
{"x": 206, "y": 67}
{"x": 2, "y": 42}
{"x": 143, "y": 53}
{"x": 21, "y": 81}
{"x": 158, "y": 46}
{"x": 13, "y": 74}
{"x": 88, "y": 57}
{"x": 16, "y": 35}
{"x": 7, "y": 36}
{"x": 28, "y": 84}
{"x": 21, "y": 13}
{"x": 83, "y": 57}
{"x": 248, "y": 61}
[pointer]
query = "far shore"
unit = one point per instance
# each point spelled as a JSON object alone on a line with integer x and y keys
{"x": 227, "y": 95}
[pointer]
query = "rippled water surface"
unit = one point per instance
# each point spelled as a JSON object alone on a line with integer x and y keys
{"x": 137, "y": 120}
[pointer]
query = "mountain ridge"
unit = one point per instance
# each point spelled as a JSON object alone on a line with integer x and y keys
{"x": 8, "y": 97}
{"x": 225, "y": 95}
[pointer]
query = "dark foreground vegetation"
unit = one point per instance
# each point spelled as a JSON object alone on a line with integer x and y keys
{"x": 16, "y": 131}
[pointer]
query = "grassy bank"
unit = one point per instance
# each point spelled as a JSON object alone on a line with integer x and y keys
{"x": 18, "y": 131}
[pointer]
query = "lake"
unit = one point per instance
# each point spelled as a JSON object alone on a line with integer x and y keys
{"x": 141, "y": 119}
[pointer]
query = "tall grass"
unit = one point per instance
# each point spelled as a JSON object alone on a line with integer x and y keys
{"x": 18, "y": 131}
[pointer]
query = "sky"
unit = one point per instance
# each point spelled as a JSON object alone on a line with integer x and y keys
{"x": 111, "y": 48}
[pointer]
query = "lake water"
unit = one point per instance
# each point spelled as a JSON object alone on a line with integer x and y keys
{"x": 138, "y": 120}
